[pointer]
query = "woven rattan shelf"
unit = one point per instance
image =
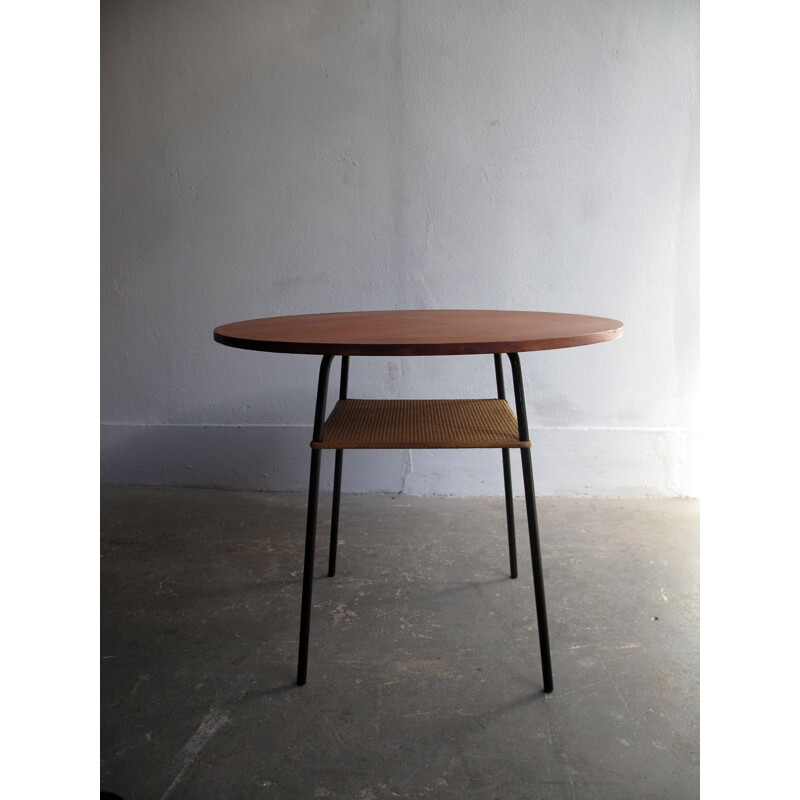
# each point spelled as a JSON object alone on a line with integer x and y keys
{"x": 429, "y": 424}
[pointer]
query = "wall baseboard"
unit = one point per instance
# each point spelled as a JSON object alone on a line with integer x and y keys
{"x": 568, "y": 462}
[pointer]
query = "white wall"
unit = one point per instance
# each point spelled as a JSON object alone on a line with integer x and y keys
{"x": 269, "y": 157}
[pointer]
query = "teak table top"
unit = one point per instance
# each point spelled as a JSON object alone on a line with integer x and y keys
{"x": 418, "y": 333}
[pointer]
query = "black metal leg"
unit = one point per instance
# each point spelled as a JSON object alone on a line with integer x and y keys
{"x": 308, "y": 567}
{"x": 533, "y": 524}
{"x": 337, "y": 478}
{"x": 337, "y": 491}
{"x": 512, "y": 537}
{"x": 311, "y": 522}
{"x": 538, "y": 574}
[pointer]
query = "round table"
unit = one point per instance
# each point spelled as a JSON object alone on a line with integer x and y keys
{"x": 418, "y": 333}
{"x": 403, "y": 424}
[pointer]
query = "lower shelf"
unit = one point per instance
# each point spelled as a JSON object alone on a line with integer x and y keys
{"x": 420, "y": 424}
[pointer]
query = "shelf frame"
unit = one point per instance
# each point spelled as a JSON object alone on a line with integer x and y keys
{"x": 359, "y": 424}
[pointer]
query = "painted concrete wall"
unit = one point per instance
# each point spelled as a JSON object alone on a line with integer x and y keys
{"x": 269, "y": 157}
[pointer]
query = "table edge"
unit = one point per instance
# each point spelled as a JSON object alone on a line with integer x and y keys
{"x": 419, "y": 349}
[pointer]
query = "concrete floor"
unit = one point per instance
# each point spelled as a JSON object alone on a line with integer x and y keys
{"x": 424, "y": 676}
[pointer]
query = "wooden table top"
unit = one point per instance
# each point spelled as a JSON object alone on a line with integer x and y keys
{"x": 418, "y": 333}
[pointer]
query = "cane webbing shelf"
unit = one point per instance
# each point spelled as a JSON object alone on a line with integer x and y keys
{"x": 426, "y": 424}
